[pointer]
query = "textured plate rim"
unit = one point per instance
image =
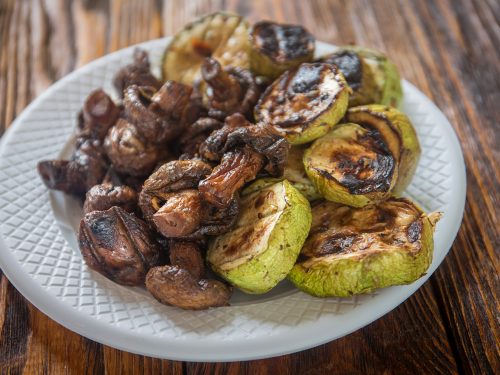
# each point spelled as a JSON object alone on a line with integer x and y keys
{"x": 253, "y": 348}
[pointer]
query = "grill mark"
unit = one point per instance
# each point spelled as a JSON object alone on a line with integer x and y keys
{"x": 349, "y": 64}
{"x": 282, "y": 42}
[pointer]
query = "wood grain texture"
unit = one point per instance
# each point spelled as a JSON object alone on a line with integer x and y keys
{"x": 448, "y": 48}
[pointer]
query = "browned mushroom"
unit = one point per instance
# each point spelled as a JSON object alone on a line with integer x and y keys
{"x": 196, "y": 134}
{"x": 180, "y": 215}
{"x": 104, "y": 196}
{"x": 230, "y": 90}
{"x": 118, "y": 245}
{"x": 128, "y": 151}
{"x": 182, "y": 284}
{"x": 86, "y": 169}
{"x": 246, "y": 149}
{"x": 171, "y": 177}
{"x": 187, "y": 255}
{"x": 235, "y": 169}
{"x": 138, "y": 73}
{"x": 212, "y": 147}
{"x": 98, "y": 115}
{"x": 169, "y": 200}
{"x": 158, "y": 116}
{"x": 175, "y": 286}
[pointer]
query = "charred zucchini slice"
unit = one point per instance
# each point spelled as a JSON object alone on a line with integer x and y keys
{"x": 370, "y": 74}
{"x": 380, "y": 117}
{"x": 354, "y": 165}
{"x": 304, "y": 103}
{"x": 356, "y": 250}
{"x": 262, "y": 248}
{"x": 275, "y": 48}
{"x": 221, "y": 35}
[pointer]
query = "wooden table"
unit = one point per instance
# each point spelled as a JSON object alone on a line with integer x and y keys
{"x": 448, "y": 48}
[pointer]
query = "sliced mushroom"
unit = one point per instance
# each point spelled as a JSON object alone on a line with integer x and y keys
{"x": 104, "y": 196}
{"x": 118, "y": 245}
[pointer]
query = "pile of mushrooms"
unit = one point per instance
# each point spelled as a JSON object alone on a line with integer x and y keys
{"x": 159, "y": 173}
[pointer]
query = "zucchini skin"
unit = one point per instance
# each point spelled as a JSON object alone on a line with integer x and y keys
{"x": 265, "y": 270}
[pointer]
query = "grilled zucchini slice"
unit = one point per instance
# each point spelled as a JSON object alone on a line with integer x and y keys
{"x": 379, "y": 117}
{"x": 221, "y": 35}
{"x": 370, "y": 74}
{"x": 275, "y": 48}
{"x": 304, "y": 103}
{"x": 356, "y": 250}
{"x": 354, "y": 165}
{"x": 263, "y": 246}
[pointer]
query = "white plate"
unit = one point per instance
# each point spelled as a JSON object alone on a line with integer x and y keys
{"x": 40, "y": 257}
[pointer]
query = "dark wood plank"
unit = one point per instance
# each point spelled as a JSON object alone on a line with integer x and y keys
{"x": 448, "y": 48}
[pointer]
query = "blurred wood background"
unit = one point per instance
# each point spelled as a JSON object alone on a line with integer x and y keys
{"x": 448, "y": 48}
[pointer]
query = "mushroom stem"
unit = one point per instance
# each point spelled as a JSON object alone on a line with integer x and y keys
{"x": 172, "y": 99}
{"x": 235, "y": 169}
{"x": 180, "y": 215}
{"x": 224, "y": 87}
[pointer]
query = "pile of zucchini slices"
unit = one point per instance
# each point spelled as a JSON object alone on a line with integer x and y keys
{"x": 334, "y": 223}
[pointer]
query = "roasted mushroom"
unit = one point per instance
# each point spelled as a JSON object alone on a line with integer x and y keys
{"x": 104, "y": 196}
{"x": 182, "y": 283}
{"x": 129, "y": 152}
{"x": 158, "y": 116}
{"x": 221, "y": 35}
{"x": 235, "y": 169}
{"x": 118, "y": 245}
{"x": 213, "y": 147}
{"x": 175, "y": 286}
{"x": 266, "y": 240}
{"x": 275, "y": 48}
{"x": 170, "y": 178}
{"x": 304, "y": 103}
{"x": 86, "y": 168}
{"x": 138, "y": 73}
{"x": 245, "y": 149}
{"x": 229, "y": 90}
{"x": 169, "y": 200}
{"x": 180, "y": 215}
{"x": 188, "y": 256}
{"x": 372, "y": 77}
{"x": 98, "y": 115}
{"x": 196, "y": 134}
{"x": 356, "y": 250}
